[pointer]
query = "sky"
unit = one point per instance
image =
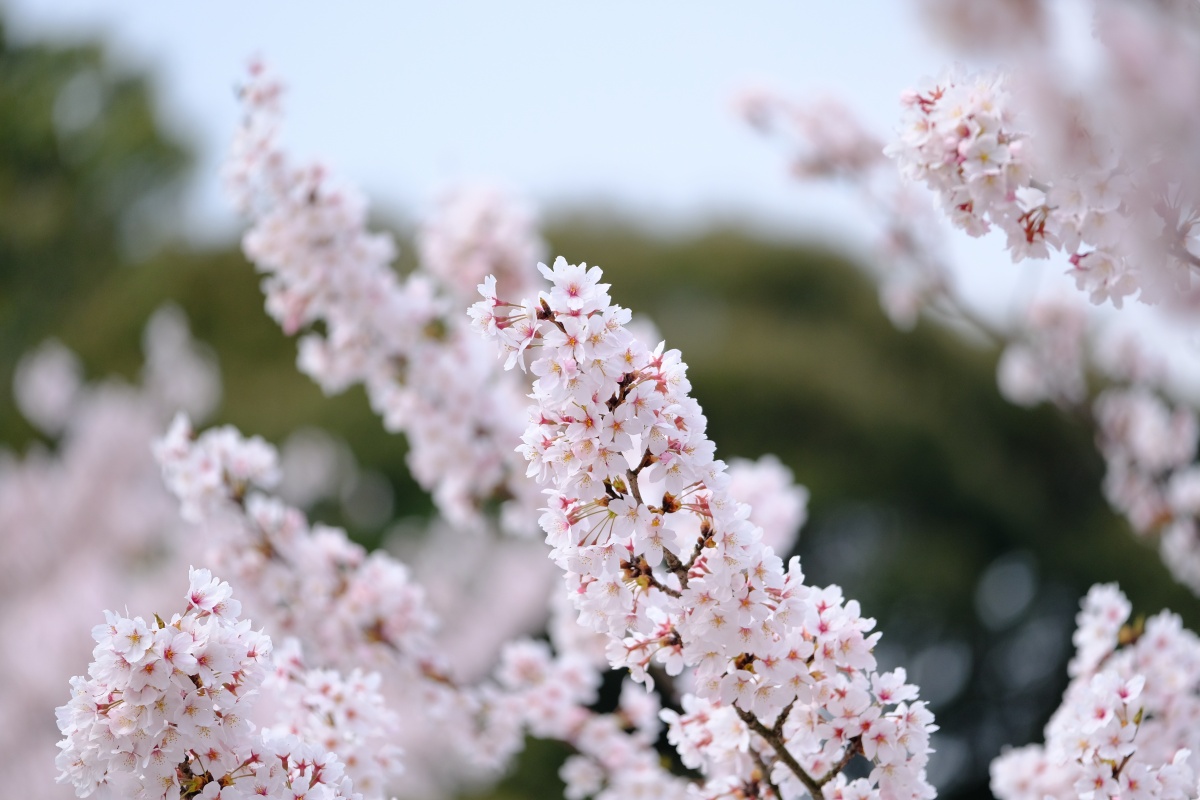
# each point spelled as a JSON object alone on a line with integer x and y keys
{"x": 626, "y": 104}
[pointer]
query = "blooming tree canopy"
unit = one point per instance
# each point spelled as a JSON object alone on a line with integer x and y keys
{"x": 543, "y": 403}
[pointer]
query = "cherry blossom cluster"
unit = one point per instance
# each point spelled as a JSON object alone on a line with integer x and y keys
{"x": 340, "y": 600}
{"x": 1127, "y": 726}
{"x": 615, "y": 757}
{"x": 1097, "y": 175}
{"x": 659, "y": 556}
{"x": 961, "y": 138}
{"x": 165, "y": 711}
{"x": 345, "y": 715}
{"x": 349, "y": 607}
{"x": 1149, "y": 444}
{"x": 403, "y": 339}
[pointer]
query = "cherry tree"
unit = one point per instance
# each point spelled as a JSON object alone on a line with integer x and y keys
{"x": 545, "y": 405}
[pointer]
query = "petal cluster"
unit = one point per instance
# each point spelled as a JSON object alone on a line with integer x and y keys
{"x": 658, "y": 556}
{"x": 164, "y": 711}
{"x": 1127, "y": 727}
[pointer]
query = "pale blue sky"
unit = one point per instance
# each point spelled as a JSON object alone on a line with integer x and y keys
{"x": 624, "y": 102}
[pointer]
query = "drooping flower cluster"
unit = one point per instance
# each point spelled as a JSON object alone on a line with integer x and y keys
{"x": 165, "y": 711}
{"x": 659, "y": 556}
{"x": 1127, "y": 727}
{"x": 961, "y": 139}
{"x": 403, "y": 339}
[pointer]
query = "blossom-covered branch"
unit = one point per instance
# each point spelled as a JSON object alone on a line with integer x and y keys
{"x": 659, "y": 557}
{"x": 348, "y": 607}
{"x": 403, "y": 339}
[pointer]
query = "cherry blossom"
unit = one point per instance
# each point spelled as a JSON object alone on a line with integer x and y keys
{"x": 166, "y": 711}
{"x": 658, "y": 556}
{"x": 403, "y": 338}
{"x": 1127, "y": 723}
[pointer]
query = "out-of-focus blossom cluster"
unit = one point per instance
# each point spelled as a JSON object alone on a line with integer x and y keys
{"x": 479, "y": 231}
{"x": 1150, "y": 450}
{"x": 824, "y": 139}
{"x": 659, "y": 556}
{"x": 1148, "y": 442}
{"x": 342, "y": 714}
{"x": 1128, "y": 724}
{"x": 403, "y": 338}
{"x": 86, "y": 523}
{"x": 1046, "y": 361}
{"x": 1090, "y": 164}
{"x": 1000, "y": 24}
{"x": 961, "y": 137}
{"x": 340, "y": 600}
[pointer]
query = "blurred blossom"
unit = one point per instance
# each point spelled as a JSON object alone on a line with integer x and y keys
{"x": 1046, "y": 362}
{"x": 368, "y": 500}
{"x": 996, "y": 24}
{"x": 314, "y": 464}
{"x": 181, "y": 372}
{"x": 46, "y": 386}
{"x": 85, "y": 526}
{"x": 778, "y": 505}
{"x": 79, "y": 103}
{"x": 1005, "y": 590}
{"x": 479, "y": 231}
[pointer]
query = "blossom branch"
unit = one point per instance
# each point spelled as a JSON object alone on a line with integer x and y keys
{"x": 612, "y": 413}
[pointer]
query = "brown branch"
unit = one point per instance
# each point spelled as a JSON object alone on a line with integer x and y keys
{"x": 781, "y": 751}
{"x": 783, "y": 715}
{"x": 854, "y": 749}
{"x": 676, "y": 567}
{"x": 766, "y": 773}
{"x": 633, "y": 484}
{"x": 662, "y": 587}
